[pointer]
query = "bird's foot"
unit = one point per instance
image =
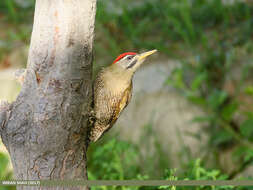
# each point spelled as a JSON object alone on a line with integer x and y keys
{"x": 91, "y": 116}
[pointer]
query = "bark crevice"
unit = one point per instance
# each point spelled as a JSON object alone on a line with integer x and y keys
{"x": 5, "y": 113}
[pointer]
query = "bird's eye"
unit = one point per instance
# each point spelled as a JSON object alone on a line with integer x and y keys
{"x": 130, "y": 57}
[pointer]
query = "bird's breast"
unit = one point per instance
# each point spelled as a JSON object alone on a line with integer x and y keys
{"x": 117, "y": 85}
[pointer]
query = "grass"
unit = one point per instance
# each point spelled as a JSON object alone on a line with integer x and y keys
{"x": 114, "y": 159}
{"x": 174, "y": 26}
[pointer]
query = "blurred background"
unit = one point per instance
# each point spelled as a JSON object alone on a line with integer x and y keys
{"x": 191, "y": 114}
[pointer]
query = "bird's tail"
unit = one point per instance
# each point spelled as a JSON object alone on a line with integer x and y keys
{"x": 97, "y": 131}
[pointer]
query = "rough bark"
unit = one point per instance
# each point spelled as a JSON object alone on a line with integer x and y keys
{"x": 45, "y": 129}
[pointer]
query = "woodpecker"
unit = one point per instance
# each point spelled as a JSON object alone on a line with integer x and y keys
{"x": 113, "y": 91}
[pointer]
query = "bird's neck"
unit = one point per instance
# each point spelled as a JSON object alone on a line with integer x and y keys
{"x": 117, "y": 78}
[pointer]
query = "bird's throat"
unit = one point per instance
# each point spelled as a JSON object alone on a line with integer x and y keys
{"x": 117, "y": 80}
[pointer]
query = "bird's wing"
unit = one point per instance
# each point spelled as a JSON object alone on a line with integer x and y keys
{"x": 123, "y": 102}
{"x": 126, "y": 97}
{"x": 109, "y": 116}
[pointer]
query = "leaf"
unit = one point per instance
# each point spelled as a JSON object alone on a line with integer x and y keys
{"x": 220, "y": 137}
{"x": 246, "y": 127}
{"x": 229, "y": 110}
{"x": 249, "y": 90}
{"x": 196, "y": 99}
{"x": 177, "y": 79}
{"x": 198, "y": 81}
{"x": 249, "y": 155}
{"x": 217, "y": 98}
{"x": 200, "y": 119}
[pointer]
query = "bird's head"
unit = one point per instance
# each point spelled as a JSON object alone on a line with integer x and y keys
{"x": 130, "y": 61}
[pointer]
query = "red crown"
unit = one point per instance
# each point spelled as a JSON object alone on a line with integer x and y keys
{"x": 123, "y": 55}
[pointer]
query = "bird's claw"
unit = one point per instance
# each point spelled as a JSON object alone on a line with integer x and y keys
{"x": 91, "y": 116}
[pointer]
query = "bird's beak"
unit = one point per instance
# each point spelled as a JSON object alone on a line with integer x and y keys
{"x": 139, "y": 59}
{"x": 146, "y": 54}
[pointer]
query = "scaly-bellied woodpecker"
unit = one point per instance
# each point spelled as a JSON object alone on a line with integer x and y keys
{"x": 113, "y": 91}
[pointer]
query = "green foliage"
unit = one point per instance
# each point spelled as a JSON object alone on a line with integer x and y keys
{"x": 196, "y": 171}
{"x": 167, "y": 25}
{"x": 206, "y": 89}
{"x": 114, "y": 159}
{"x": 17, "y": 16}
{"x": 4, "y": 173}
{"x": 16, "y": 11}
{"x": 249, "y": 90}
{"x": 246, "y": 128}
{"x": 204, "y": 82}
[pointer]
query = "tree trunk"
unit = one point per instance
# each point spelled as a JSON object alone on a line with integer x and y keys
{"x": 45, "y": 129}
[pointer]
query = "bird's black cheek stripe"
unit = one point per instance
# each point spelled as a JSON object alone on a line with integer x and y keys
{"x": 132, "y": 64}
